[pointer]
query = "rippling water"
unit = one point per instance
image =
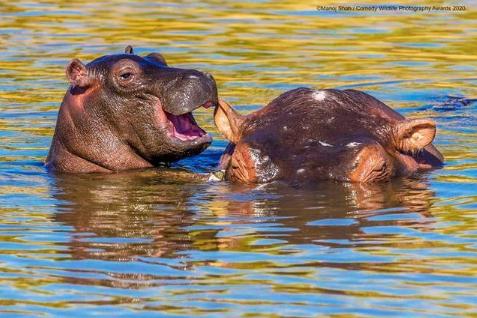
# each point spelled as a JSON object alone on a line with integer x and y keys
{"x": 152, "y": 242}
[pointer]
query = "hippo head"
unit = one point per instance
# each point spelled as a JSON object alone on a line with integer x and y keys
{"x": 126, "y": 111}
{"x": 306, "y": 135}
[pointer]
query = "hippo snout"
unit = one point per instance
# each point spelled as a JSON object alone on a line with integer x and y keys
{"x": 192, "y": 89}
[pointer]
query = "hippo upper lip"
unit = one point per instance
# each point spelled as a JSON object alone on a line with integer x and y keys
{"x": 206, "y": 104}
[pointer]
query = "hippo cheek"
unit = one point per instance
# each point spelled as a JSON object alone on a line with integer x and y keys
{"x": 407, "y": 165}
{"x": 241, "y": 165}
{"x": 372, "y": 164}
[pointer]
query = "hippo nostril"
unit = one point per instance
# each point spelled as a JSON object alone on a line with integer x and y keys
{"x": 208, "y": 75}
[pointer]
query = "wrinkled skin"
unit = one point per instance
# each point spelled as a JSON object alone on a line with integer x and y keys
{"x": 125, "y": 111}
{"x": 307, "y": 135}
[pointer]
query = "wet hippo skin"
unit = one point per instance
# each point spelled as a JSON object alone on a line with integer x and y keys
{"x": 306, "y": 135}
{"x": 125, "y": 111}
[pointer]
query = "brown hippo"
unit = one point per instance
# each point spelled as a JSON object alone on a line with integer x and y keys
{"x": 125, "y": 111}
{"x": 305, "y": 135}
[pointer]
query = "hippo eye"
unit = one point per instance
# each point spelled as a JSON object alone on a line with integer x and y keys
{"x": 126, "y": 75}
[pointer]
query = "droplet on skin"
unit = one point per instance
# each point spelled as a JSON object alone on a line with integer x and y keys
{"x": 353, "y": 144}
{"x": 319, "y": 95}
{"x": 324, "y": 144}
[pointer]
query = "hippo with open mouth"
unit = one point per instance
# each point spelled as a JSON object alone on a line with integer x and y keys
{"x": 306, "y": 135}
{"x": 125, "y": 111}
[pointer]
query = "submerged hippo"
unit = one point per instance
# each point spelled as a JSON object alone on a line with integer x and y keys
{"x": 125, "y": 111}
{"x": 306, "y": 135}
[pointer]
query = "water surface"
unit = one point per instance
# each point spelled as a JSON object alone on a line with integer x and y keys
{"x": 151, "y": 243}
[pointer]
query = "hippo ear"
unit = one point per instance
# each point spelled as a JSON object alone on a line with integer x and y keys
{"x": 228, "y": 121}
{"x": 414, "y": 135}
{"x": 129, "y": 50}
{"x": 157, "y": 58}
{"x": 77, "y": 74}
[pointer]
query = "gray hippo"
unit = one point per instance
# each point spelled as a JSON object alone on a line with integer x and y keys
{"x": 125, "y": 111}
{"x": 305, "y": 135}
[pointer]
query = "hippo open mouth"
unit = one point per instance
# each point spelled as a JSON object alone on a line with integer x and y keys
{"x": 185, "y": 128}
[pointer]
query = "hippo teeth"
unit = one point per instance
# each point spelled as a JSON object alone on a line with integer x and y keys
{"x": 184, "y": 127}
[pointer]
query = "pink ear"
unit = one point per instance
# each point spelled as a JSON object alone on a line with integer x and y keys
{"x": 228, "y": 121}
{"x": 415, "y": 134}
{"x": 77, "y": 74}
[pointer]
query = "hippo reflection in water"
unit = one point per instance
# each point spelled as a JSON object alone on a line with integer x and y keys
{"x": 125, "y": 111}
{"x": 305, "y": 135}
{"x": 155, "y": 213}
